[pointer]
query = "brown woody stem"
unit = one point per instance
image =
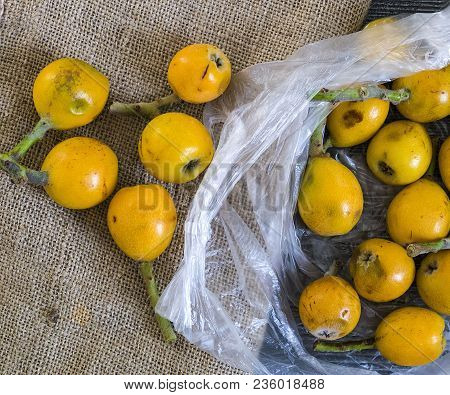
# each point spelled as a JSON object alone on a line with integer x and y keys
{"x": 148, "y": 110}
{"x": 358, "y": 345}
{"x": 362, "y": 93}
{"x": 417, "y": 249}
{"x": 146, "y": 270}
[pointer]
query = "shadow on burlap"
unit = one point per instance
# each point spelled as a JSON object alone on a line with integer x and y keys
{"x": 70, "y": 301}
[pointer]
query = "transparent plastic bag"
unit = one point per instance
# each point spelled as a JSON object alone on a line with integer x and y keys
{"x": 247, "y": 256}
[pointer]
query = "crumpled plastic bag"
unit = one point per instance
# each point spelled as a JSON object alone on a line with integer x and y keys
{"x": 247, "y": 255}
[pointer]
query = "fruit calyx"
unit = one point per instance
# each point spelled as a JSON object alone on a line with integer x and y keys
{"x": 217, "y": 60}
{"x": 366, "y": 258}
{"x": 191, "y": 165}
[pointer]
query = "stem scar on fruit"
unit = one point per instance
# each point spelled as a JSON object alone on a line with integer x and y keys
{"x": 67, "y": 93}
{"x": 198, "y": 73}
{"x": 142, "y": 221}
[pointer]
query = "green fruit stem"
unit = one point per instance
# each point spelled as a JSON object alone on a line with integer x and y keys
{"x": 146, "y": 270}
{"x": 417, "y": 249}
{"x": 358, "y": 345}
{"x": 9, "y": 162}
{"x": 154, "y": 108}
{"x": 148, "y": 110}
{"x": 327, "y": 144}
{"x": 19, "y": 172}
{"x": 316, "y": 141}
{"x": 37, "y": 134}
{"x": 362, "y": 93}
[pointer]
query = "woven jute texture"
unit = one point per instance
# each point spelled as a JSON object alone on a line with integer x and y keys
{"x": 70, "y": 301}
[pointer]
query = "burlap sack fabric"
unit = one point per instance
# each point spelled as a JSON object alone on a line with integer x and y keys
{"x": 70, "y": 301}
